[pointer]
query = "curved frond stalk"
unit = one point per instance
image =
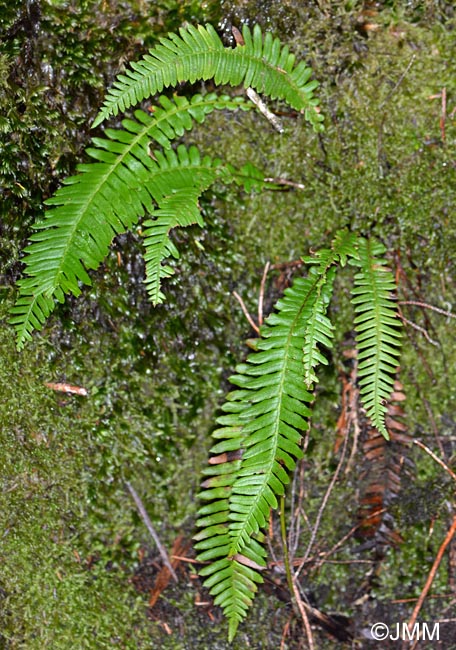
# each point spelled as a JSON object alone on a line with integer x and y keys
{"x": 378, "y": 337}
{"x": 198, "y": 53}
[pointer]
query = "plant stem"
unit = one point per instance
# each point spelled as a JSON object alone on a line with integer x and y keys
{"x": 297, "y": 603}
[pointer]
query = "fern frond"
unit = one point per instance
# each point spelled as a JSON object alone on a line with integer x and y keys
{"x": 258, "y": 445}
{"x": 180, "y": 208}
{"x": 320, "y": 330}
{"x": 30, "y": 313}
{"x": 106, "y": 198}
{"x": 377, "y": 331}
{"x": 198, "y": 53}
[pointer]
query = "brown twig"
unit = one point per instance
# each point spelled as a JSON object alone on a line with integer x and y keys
{"x": 432, "y": 572}
{"x": 146, "y": 519}
{"x": 261, "y": 296}
{"x": 436, "y": 458}
{"x": 302, "y": 610}
{"x": 424, "y": 332}
{"x": 443, "y": 115}
{"x": 426, "y": 305}
{"x": 252, "y": 323}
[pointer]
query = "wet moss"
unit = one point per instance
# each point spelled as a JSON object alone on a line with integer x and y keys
{"x": 155, "y": 377}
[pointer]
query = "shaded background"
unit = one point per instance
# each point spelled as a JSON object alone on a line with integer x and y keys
{"x": 77, "y": 565}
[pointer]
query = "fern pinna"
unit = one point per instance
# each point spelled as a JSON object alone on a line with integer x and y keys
{"x": 131, "y": 178}
{"x": 260, "y": 432}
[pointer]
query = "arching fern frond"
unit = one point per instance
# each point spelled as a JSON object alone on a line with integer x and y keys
{"x": 105, "y": 199}
{"x": 198, "y": 53}
{"x": 181, "y": 209}
{"x": 377, "y": 330}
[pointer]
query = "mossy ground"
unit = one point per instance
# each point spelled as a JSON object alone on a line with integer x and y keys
{"x": 72, "y": 539}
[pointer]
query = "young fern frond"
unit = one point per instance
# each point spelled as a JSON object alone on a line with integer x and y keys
{"x": 377, "y": 331}
{"x": 198, "y": 53}
{"x": 319, "y": 328}
{"x": 179, "y": 209}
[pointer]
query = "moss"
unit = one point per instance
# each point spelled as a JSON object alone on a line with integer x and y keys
{"x": 154, "y": 378}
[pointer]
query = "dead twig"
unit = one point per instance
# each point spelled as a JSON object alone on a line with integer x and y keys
{"x": 436, "y": 458}
{"x": 401, "y": 79}
{"x": 146, "y": 519}
{"x": 259, "y": 103}
{"x": 302, "y": 610}
{"x": 252, "y": 323}
{"x": 253, "y": 95}
{"x": 426, "y": 305}
{"x": 417, "y": 327}
{"x": 432, "y": 572}
{"x": 66, "y": 388}
{"x": 285, "y": 181}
